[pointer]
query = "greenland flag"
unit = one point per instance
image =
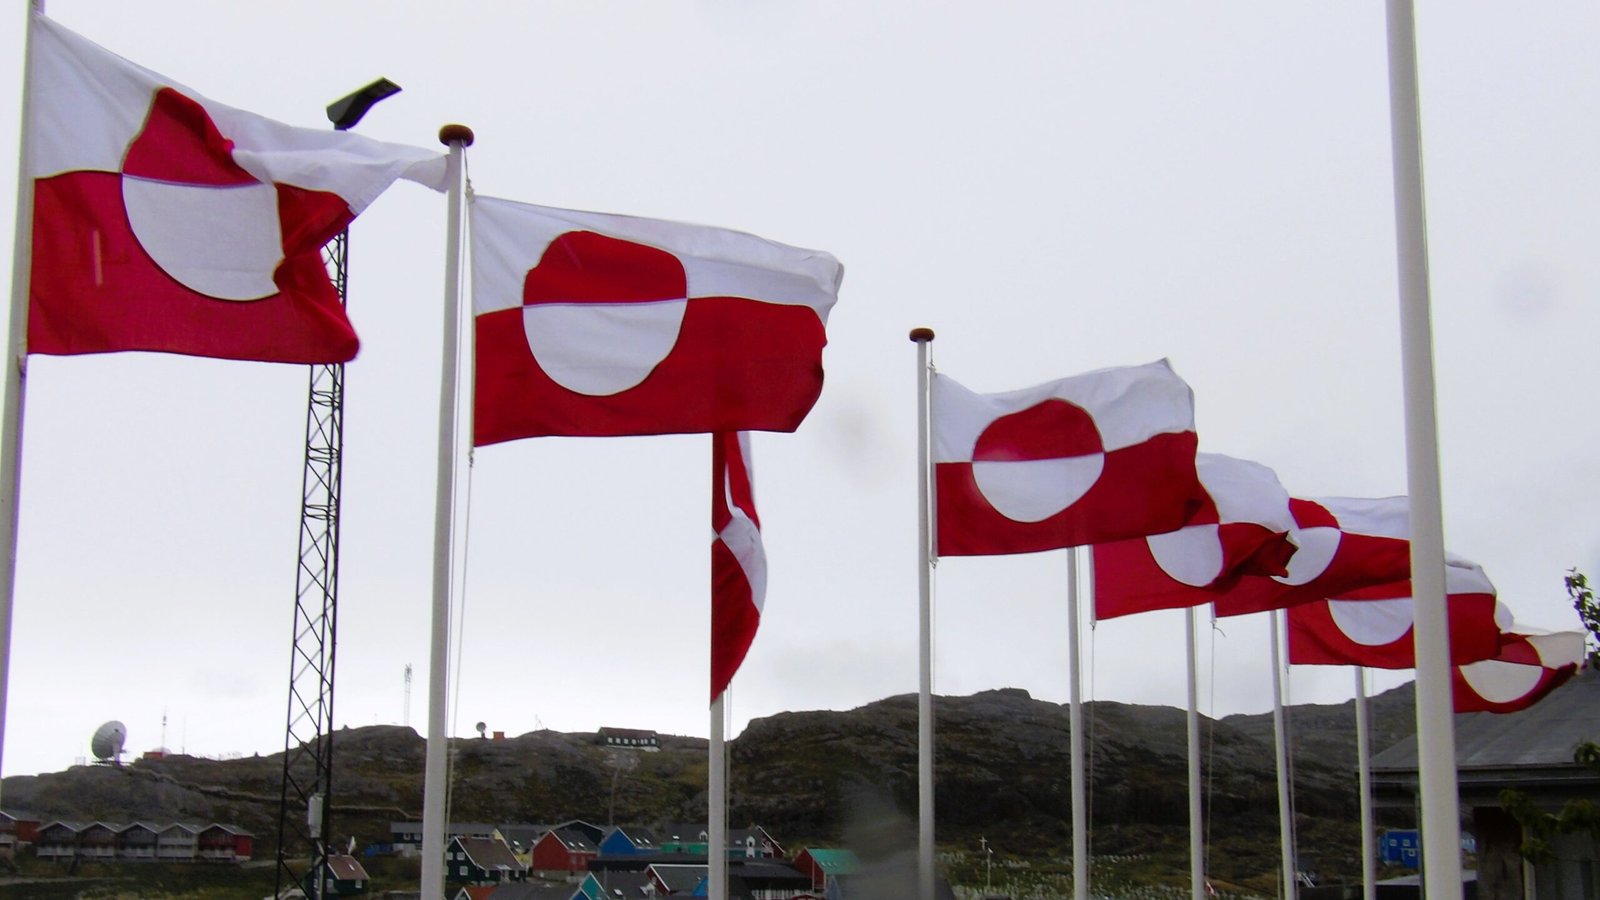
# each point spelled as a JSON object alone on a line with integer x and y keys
{"x": 1341, "y": 544}
{"x": 165, "y": 221}
{"x": 1244, "y": 528}
{"x": 738, "y": 560}
{"x": 1528, "y": 668}
{"x": 604, "y": 325}
{"x": 1098, "y": 457}
{"x": 1373, "y": 627}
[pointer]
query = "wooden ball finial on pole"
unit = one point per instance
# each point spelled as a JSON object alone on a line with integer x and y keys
{"x": 921, "y": 335}
{"x": 456, "y": 134}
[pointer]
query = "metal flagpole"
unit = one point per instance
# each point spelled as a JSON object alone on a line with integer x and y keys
{"x": 16, "y": 374}
{"x": 1436, "y": 753}
{"x": 1281, "y": 740}
{"x": 457, "y": 138}
{"x": 1369, "y": 852}
{"x": 1080, "y": 816}
{"x": 1197, "y": 864}
{"x": 923, "y": 337}
{"x": 717, "y": 830}
{"x": 15, "y": 381}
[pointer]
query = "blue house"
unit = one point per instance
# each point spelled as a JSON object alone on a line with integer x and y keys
{"x": 1401, "y": 847}
{"x": 627, "y": 840}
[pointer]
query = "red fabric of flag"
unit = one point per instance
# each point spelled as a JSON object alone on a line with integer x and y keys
{"x": 164, "y": 221}
{"x": 1340, "y": 545}
{"x": 603, "y": 325}
{"x": 1373, "y": 627}
{"x": 1242, "y": 529}
{"x": 738, "y": 559}
{"x": 1103, "y": 456}
{"x": 1528, "y": 667}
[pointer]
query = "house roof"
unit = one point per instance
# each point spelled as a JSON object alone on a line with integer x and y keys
{"x": 488, "y": 854}
{"x": 574, "y": 840}
{"x": 181, "y": 826}
{"x": 528, "y": 891}
{"x": 833, "y": 861}
{"x": 1530, "y": 749}
{"x": 628, "y": 732}
{"x": 678, "y": 878}
{"x": 619, "y": 885}
{"x": 767, "y": 873}
{"x": 642, "y": 838}
{"x": 346, "y": 868}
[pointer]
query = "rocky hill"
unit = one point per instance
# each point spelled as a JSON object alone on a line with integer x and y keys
{"x": 1001, "y": 773}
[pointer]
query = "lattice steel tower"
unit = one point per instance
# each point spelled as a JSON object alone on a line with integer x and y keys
{"x": 303, "y": 809}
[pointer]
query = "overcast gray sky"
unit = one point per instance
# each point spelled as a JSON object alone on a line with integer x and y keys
{"x": 1051, "y": 187}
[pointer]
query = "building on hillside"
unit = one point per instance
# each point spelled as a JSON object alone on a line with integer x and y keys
{"x": 562, "y": 852}
{"x": 178, "y": 842}
{"x": 521, "y": 837}
{"x": 629, "y": 840}
{"x": 225, "y": 843}
{"x": 97, "y": 841}
{"x": 672, "y": 878}
{"x": 343, "y": 876}
{"x": 137, "y": 841}
{"x": 1529, "y": 751}
{"x": 629, "y": 739}
{"x": 406, "y": 837}
{"x": 526, "y": 890}
{"x": 475, "y": 860}
{"x": 762, "y": 880}
{"x": 58, "y": 840}
{"x": 822, "y": 865}
{"x": 743, "y": 843}
{"x": 16, "y": 831}
{"x": 594, "y": 833}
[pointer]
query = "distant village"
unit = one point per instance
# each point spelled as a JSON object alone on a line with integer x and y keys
{"x": 571, "y": 860}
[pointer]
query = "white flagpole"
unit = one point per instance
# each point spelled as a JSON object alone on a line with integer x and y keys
{"x": 923, "y": 337}
{"x": 1436, "y": 753}
{"x": 1080, "y": 814}
{"x": 457, "y": 138}
{"x": 1281, "y": 739}
{"x": 1369, "y": 850}
{"x": 717, "y": 824}
{"x": 16, "y": 374}
{"x": 1197, "y": 867}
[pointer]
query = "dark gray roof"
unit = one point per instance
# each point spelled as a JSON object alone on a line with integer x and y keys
{"x": 679, "y": 878}
{"x": 628, "y": 885}
{"x": 1531, "y": 749}
{"x": 529, "y": 891}
{"x": 489, "y": 854}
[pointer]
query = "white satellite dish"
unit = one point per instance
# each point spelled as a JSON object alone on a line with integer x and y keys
{"x": 106, "y": 745}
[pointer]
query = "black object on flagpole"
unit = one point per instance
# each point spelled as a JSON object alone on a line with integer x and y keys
{"x": 304, "y": 802}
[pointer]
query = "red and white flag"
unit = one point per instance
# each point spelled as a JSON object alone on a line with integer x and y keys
{"x": 1340, "y": 545}
{"x": 738, "y": 560}
{"x": 164, "y": 221}
{"x": 1098, "y": 457}
{"x": 1528, "y": 667}
{"x": 603, "y": 325}
{"x": 1373, "y": 627}
{"x": 1243, "y": 528}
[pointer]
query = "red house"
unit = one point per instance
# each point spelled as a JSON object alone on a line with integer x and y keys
{"x": 225, "y": 843}
{"x": 562, "y": 850}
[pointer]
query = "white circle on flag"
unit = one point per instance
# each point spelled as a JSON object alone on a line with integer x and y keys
{"x": 1314, "y": 552}
{"x": 1191, "y": 555}
{"x": 600, "y": 349}
{"x": 1501, "y": 682}
{"x": 223, "y": 241}
{"x": 1373, "y": 623}
{"x": 1033, "y": 490}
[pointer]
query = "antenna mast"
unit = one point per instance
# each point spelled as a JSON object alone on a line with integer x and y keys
{"x": 407, "y": 718}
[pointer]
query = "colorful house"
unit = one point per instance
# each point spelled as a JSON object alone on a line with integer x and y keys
{"x": 822, "y": 865}
{"x": 137, "y": 842}
{"x": 344, "y": 877}
{"x": 477, "y": 860}
{"x": 629, "y": 840}
{"x": 565, "y": 851}
{"x": 225, "y": 843}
